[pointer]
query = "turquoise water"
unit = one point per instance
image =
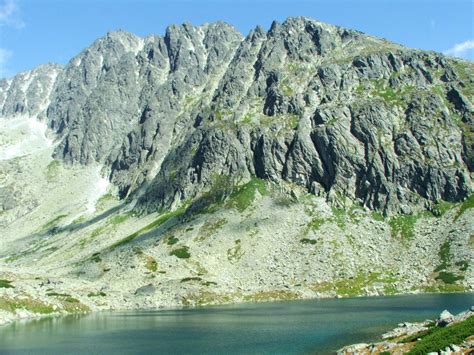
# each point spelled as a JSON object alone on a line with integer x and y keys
{"x": 296, "y": 327}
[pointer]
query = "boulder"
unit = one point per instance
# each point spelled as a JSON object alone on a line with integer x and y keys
{"x": 353, "y": 349}
{"x": 145, "y": 290}
{"x": 444, "y": 319}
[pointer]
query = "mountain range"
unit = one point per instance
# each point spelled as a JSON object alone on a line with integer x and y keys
{"x": 206, "y": 167}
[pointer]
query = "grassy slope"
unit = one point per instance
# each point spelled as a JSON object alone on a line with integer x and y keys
{"x": 440, "y": 338}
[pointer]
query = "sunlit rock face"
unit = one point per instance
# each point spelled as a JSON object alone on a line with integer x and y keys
{"x": 345, "y": 115}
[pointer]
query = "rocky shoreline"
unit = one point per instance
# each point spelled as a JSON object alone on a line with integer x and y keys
{"x": 25, "y": 307}
{"x": 449, "y": 334}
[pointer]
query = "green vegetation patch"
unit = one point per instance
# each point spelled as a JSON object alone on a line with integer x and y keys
{"x": 316, "y": 223}
{"x": 151, "y": 264}
{"x": 79, "y": 220}
{"x": 287, "y": 90}
{"x": 360, "y": 89}
{"x": 377, "y": 216}
{"x": 97, "y": 294}
{"x": 155, "y": 224}
{"x": 73, "y": 305}
{"x": 463, "y": 265}
{"x": 119, "y": 218}
{"x": 137, "y": 250}
{"x": 98, "y": 231}
{"x": 322, "y": 286}
{"x": 354, "y": 286}
{"x": 188, "y": 279}
{"x": 52, "y": 170}
{"x": 172, "y": 240}
{"x": 467, "y": 204}
{"x": 339, "y": 217}
{"x": 181, "y": 253}
{"x": 206, "y": 297}
{"x": 465, "y": 72}
{"x": 442, "y": 287}
{"x": 69, "y": 303}
{"x": 104, "y": 200}
{"x": 291, "y": 121}
{"x": 403, "y": 225}
{"x": 392, "y": 96}
{"x": 56, "y": 294}
{"x": 12, "y": 304}
{"x": 448, "y": 277}
{"x": 308, "y": 241}
{"x": 235, "y": 253}
{"x": 440, "y": 338}
{"x": 419, "y": 335}
{"x": 441, "y": 207}
{"x": 224, "y": 193}
{"x": 96, "y": 258}
{"x": 52, "y": 223}
{"x": 445, "y": 256}
{"x": 6, "y": 284}
{"x": 247, "y": 119}
{"x": 263, "y": 296}
{"x": 209, "y": 228}
{"x": 243, "y": 196}
{"x": 351, "y": 287}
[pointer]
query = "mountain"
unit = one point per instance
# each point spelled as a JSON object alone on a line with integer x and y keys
{"x": 204, "y": 167}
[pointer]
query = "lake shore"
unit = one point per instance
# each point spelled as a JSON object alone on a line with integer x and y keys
{"x": 306, "y": 326}
{"x": 446, "y": 335}
{"x": 27, "y": 303}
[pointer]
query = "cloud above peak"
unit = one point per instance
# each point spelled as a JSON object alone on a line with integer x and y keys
{"x": 9, "y": 18}
{"x": 463, "y": 50}
{"x": 10, "y": 14}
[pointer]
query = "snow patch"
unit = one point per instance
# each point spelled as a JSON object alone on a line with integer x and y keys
{"x": 47, "y": 96}
{"x": 53, "y": 75}
{"x": 98, "y": 189}
{"x": 22, "y": 136}
{"x": 191, "y": 47}
{"x": 25, "y": 80}
{"x": 139, "y": 46}
{"x": 5, "y": 92}
{"x": 101, "y": 62}
{"x": 76, "y": 61}
{"x": 132, "y": 44}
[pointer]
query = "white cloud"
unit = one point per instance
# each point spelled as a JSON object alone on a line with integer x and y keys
{"x": 7, "y": 9}
{"x": 9, "y": 14}
{"x": 464, "y": 50}
{"x": 5, "y": 54}
{"x": 9, "y": 17}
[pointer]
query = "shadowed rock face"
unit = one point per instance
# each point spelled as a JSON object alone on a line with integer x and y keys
{"x": 341, "y": 113}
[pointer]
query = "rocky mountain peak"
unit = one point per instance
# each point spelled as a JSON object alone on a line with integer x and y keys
{"x": 343, "y": 114}
{"x": 28, "y": 92}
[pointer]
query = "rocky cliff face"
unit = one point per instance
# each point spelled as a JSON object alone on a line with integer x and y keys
{"x": 28, "y": 93}
{"x": 347, "y": 116}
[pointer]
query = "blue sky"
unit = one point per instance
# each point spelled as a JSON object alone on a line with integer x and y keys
{"x": 40, "y": 31}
